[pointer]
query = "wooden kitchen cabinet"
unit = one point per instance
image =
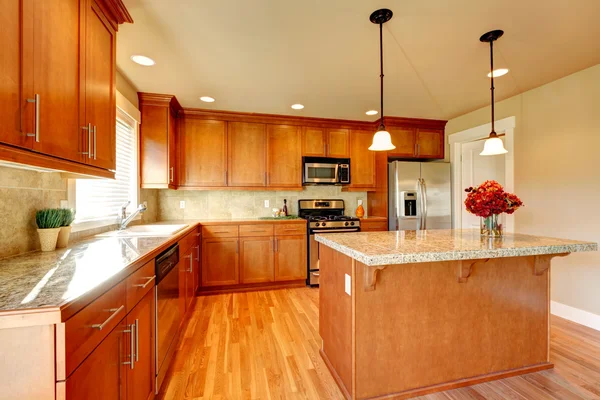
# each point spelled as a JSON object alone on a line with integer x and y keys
{"x": 256, "y": 259}
{"x": 284, "y": 159}
{"x": 417, "y": 143}
{"x": 321, "y": 142}
{"x": 103, "y": 374}
{"x": 362, "y": 164}
{"x": 158, "y": 138}
{"x": 404, "y": 139}
{"x": 220, "y": 261}
{"x": 203, "y": 153}
{"x": 430, "y": 143}
{"x": 98, "y": 67}
{"x": 290, "y": 257}
{"x": 141, "y": 378}
{"x": 247, "y": 150}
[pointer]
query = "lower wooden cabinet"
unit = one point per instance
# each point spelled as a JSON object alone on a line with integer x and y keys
{"x": 103, "y": 374}
{"x": 256, "y": 259}
{"x": 290, "y": 258}
{"x": 373, "y": 225}
{"x": 140, "y": 376}
{"x": 220, "y": 261}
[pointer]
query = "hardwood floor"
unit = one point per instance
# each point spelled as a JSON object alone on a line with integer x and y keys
{"x": 265, "y": 345}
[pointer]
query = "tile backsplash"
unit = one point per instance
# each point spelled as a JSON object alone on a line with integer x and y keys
{"x": 226, "y": 204}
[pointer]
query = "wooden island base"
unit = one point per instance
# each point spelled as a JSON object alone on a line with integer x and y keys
{"x": 413, "y": 329}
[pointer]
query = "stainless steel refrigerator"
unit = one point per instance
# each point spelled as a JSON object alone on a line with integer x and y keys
{"x": 419, "y": 195}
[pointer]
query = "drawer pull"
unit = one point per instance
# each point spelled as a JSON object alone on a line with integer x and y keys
{"x": 114, "y": 311}
{"x": 258, "y": 231}
{"x": 143, "y": 285}
{"x": 316, "y": 274}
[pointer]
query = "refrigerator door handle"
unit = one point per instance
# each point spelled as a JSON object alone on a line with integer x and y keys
{"x": 419, "y": 205}
{"x": 424, "y": 199}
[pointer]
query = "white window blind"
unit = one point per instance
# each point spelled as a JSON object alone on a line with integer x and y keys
{"x": 102, "y": 198}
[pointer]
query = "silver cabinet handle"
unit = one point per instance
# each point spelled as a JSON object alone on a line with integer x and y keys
{"x": 95, "y": 147}
{"x": 137, "y": 340}
{"x": 191, "y": 264}
{"x": 316, "y": 274}
{"x": 132, "y": 360}
{"x": 86, "y": 128}
{"x": 424, "y": 197}
{"x": 114, "y": 311}
{"x": 36, "y": 129}
{"x": 172, "y": 174}
{"x": 143, "y": 285}
{"x": 89, "y": 129}
{"x": 197, "y": 253}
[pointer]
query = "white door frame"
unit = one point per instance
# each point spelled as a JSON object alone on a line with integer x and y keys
{"x": 506, "y": 126}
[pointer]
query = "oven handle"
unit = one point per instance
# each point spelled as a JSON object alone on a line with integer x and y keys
{"x": 334, "y": 230}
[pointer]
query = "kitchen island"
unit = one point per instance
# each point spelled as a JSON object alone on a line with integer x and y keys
{"x": 407, "y": 313}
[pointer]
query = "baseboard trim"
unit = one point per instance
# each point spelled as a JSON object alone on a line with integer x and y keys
{"x": 576, "y": 315}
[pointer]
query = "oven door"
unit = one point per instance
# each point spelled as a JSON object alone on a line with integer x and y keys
{"x": 313, "y": 253}
{"x": 320, "y": 173}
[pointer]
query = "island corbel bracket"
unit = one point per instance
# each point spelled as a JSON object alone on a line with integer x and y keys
{"x": 541, "y": 263}
{"x": 465, "y": 268}
{"x": 371, "y": 273}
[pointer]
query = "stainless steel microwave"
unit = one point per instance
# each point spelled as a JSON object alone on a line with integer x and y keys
{"x": 325, "y": 171}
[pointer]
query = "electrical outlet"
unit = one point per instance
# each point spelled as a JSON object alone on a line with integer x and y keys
{"x": 145, "y": 204}
{"x": 359, "y": 203}
{"x": 182, "y": 204}
{"x": 266, "y": 203}
{"x": 348, "y": 284}
{"x": 64, "y": 204}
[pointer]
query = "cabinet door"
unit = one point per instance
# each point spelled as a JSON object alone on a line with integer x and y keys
{"x": 52, "y": 72}
{"x": 290, "y": 258}
{"x": 338, "y": 143}
{"x": 100, "y": 86}
{"x": 103, "y": 374}
{"x": 172, "y": 149}
{"x": 247, "y": 151}
{"x": 154, "y": 155}
{"x": 256, "y": 259}
{"x": 430, "y": 143}
{"x": 313, "y": 142}
{"x": 404, "y": 139}
{"x": 12, "y": 24}
{"x": 362, "y": 160}
{"x": 284, "y": 159}
{"x": 203, "y": 153}
{"x": 220, "y": 260}
{"x": 140, "y": 378}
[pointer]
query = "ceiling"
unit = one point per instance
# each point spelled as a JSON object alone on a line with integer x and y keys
{"x": 265, "y": 55}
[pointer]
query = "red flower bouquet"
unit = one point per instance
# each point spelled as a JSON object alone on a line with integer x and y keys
{"x": 488, "y": 201}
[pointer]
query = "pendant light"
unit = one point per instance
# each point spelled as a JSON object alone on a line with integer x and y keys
{"x": 493, "y": 145}
{"x": 382, "y": 140}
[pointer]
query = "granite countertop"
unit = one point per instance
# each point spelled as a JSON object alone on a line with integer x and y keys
{"x": 233, "y": 221}
{"x": 52, "y": 279}
{"x": 404, "y": 247}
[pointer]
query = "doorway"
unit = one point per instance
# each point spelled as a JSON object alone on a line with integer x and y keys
{"x": 471, "y": 169}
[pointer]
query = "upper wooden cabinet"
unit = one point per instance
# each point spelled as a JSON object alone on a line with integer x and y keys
{"x": 158, "y": 139}
{"x": 57, "y": 77}
{"x": 414, "y": 142}
{"x": 321, "y": 142}
{"x": 362, "y": 160}
{"x": 203, "y": 153}
{"x": 405, "y": 141}
{"x": 430, "y": 143}
{"x": 247, "y": 148}
{"x": 284, "y": 160}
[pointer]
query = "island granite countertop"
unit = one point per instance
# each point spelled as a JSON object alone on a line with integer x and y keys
{"x": 405, "y": 247}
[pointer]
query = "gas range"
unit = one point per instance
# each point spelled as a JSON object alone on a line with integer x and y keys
{"x": 333, "y": 222}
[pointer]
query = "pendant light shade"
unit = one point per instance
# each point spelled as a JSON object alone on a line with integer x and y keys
{"x": 493, "y": 146}
{"x": 382, "y": 141}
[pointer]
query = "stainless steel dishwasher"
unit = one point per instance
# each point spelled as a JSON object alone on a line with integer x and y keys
{"x": 167, "y": 308}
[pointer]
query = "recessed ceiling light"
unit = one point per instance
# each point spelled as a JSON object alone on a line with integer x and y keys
{"x": 297, "y": 106}
{"x": 498, "y": 72}
{"x": 207, "y": 99}
{"x": 143, "y": 60}
{"x": 372, "y": 112}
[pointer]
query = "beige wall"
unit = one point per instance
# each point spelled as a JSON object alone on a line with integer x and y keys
{"x": 245, "y": 204}
{"x": 126, "y": 88}
{"x": 557, "y": 174}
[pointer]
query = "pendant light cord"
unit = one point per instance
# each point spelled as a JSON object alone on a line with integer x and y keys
{"x": 493, "y": 133}
{"x": 381, "y": 125}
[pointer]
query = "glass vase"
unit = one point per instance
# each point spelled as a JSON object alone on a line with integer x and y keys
{"x": 491, "y": 226}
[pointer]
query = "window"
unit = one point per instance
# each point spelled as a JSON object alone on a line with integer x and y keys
{"x": 98, "y": 201}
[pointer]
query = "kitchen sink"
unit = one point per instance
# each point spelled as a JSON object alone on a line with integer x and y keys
{"x": 146, "y": 230}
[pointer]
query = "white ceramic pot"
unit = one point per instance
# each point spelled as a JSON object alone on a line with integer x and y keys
{"x": 63, "y": 237}
{"x": 48, "y": 238}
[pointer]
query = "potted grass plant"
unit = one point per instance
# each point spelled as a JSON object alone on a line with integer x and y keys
{"x": 67, "y": 218}
{"x": 48, "y": 222}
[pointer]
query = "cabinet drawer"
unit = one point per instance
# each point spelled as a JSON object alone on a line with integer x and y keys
{"x": 373, "y": 226}
{"x": 139, "y": 283}
{"x": 256, "y": 230}
{"x": 188, "y": 242}
{"x": 290, "y": 229}
{"x": 91, "y": 325}
{"x": 219, "y": 231}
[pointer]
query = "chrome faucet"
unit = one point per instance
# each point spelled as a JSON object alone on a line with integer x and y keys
{"x": 124, "y": 220}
